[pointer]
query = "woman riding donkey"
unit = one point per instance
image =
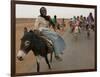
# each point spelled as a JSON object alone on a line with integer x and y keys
{"x": 43, "y": 24}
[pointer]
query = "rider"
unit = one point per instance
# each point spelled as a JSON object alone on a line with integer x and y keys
{"x": 43, "y": 24}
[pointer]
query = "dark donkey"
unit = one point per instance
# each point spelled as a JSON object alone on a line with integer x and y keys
{"x": 39, "y": 46}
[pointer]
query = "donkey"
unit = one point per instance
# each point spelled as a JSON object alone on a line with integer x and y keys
{"x": 39, "y": 46}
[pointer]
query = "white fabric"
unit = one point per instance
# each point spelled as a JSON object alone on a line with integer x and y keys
{"x": 43, "y": 28}
{"x": 40, "y": 22}
{"x": 76, "y": 29}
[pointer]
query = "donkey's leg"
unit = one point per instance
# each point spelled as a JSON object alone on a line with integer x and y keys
{"x": 38, "y": 63}
{"x": 46, "y": 59}
{"x": 51, "y": 57}
{"x": 38, "y": 67}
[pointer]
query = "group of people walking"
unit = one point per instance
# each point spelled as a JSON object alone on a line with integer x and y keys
{"x": 82, "y": 23}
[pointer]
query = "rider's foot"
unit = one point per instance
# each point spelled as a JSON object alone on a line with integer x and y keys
{"x": 58, "y": 57}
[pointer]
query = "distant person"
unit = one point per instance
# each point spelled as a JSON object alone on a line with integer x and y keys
{"x": 63, "y": 22}
{"x": 54, "y": 22}
{"x": 77, "y": 21}
{"x": 73, "y": 23}
{"x": 85, "y": 22}
{"x": 90, "y": 20}
{"x": 54, "y": 19}
{"x": 81, "y": 20}
{"x": 25, "y": 30}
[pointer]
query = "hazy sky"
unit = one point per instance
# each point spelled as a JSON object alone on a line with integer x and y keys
{"x": 32, "y": 11}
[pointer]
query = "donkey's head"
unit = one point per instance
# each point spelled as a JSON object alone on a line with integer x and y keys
{"x": 26, "y": 44}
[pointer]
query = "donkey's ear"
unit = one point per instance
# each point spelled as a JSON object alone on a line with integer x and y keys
{"x": 25, "y": 30}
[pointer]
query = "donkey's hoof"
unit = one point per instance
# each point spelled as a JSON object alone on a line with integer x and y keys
{"x": 50, "y": 68}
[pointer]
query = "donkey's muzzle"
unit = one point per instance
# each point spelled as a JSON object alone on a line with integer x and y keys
{"x": 19, "y": 58}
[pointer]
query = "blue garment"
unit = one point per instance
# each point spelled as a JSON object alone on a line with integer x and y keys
{"x": 58, "y": 41}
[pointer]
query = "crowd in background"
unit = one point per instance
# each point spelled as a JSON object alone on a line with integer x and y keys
{"x": 81, "y": 22}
